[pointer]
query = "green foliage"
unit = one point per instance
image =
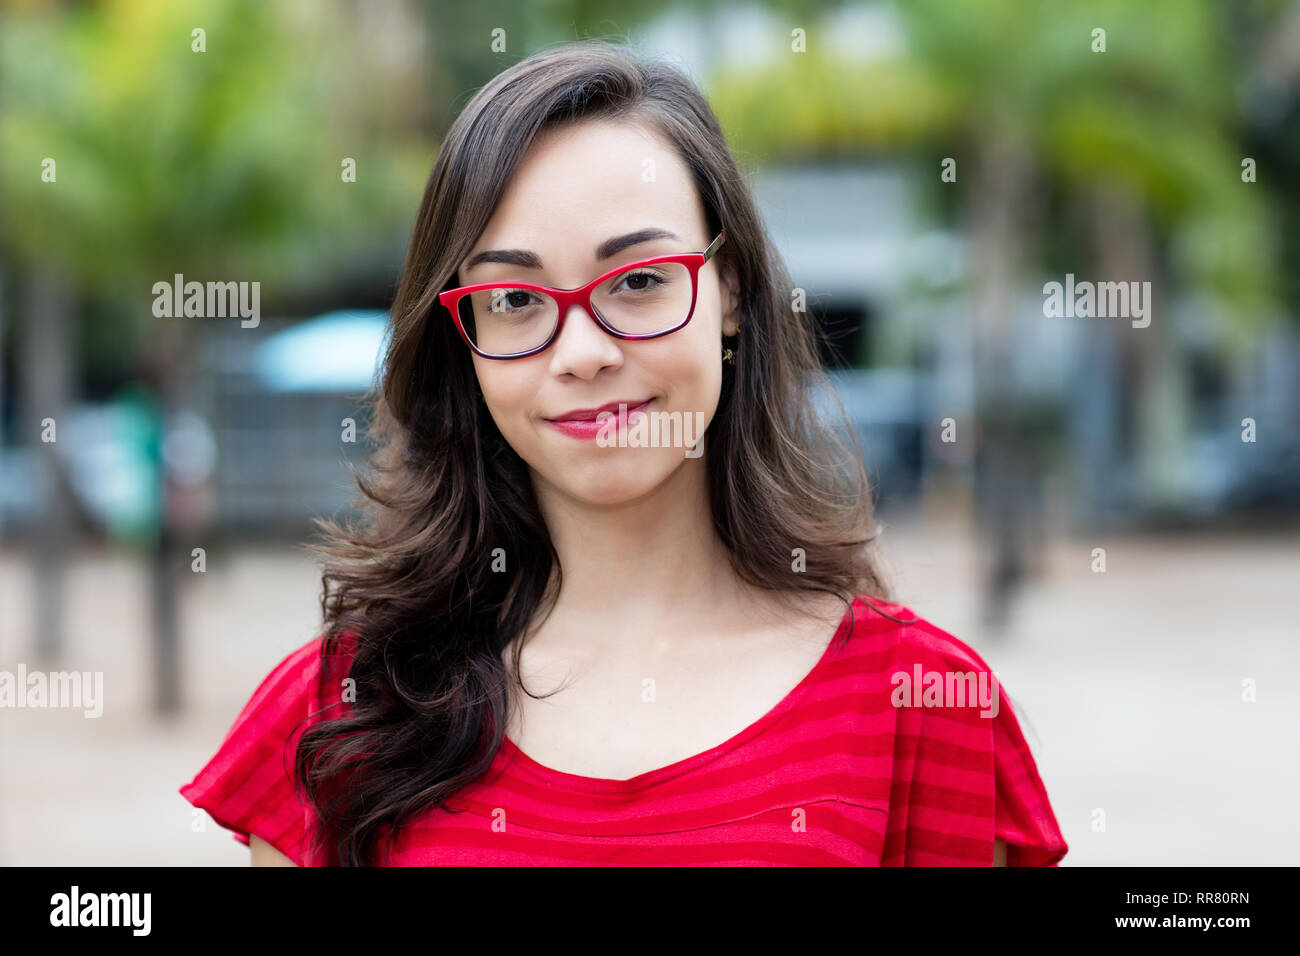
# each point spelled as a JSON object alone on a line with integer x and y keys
{"x": 226, "y": 163}
{"x": 810, "y": 105}
{"x": 216, "y": 164}
{"x": 1153, "y": 117}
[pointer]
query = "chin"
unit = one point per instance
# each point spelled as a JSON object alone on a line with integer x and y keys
{"x": 611, "y": 484}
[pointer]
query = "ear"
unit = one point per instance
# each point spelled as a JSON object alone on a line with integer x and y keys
{"x": 730, "y": 300}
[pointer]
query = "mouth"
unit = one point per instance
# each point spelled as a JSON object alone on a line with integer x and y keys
{"x": 587, "y": 423}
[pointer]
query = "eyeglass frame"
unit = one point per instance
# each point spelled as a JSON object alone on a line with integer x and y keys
{"x": 565, "y": 299}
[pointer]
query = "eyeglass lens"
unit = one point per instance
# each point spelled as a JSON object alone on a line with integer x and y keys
{"x": 641, "y": 300}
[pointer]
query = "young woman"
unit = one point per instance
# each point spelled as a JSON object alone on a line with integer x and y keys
{"x": 615, "y": 601}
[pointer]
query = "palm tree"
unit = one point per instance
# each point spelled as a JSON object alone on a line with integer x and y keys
{"x": 217, "y": 163}
{"x": 1136, "y": 146}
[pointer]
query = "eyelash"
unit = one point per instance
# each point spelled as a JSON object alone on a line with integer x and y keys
{"x": 659, "y": 279}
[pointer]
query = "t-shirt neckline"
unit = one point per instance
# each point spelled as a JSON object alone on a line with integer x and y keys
{"x": 650, "y": 778}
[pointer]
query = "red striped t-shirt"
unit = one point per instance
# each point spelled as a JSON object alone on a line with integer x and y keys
{"x": 857, "y": 765}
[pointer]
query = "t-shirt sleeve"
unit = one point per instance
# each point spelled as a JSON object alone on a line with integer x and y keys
{"x": 1024, "y": 818}
{"x": 964, "y": 775}
{"x": 247, "y": 787}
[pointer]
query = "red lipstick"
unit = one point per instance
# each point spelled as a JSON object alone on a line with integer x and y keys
{"x": 586, "y": 423}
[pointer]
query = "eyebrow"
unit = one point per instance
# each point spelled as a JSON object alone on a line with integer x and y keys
{"x": 607, "y": 249}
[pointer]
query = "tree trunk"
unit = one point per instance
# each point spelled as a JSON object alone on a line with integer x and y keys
{"x": 45, "y": 375}
{"x": 1005, "y": 471}
{"x": 1148, "y": 355}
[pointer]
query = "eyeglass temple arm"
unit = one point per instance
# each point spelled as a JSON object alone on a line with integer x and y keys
{"x": 715, "y": 245}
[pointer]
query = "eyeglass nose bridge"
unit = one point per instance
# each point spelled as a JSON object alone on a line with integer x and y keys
{"x": 564, "y": 303}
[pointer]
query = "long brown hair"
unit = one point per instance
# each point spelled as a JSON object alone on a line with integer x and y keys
{"x": 411, "y": 591}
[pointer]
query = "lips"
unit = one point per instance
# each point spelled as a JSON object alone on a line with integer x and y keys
{"x": 591, "y": 414}
{"x": 588, "y": 424}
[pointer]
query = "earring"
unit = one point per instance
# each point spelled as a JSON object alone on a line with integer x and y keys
{"x": 729, "y": 356}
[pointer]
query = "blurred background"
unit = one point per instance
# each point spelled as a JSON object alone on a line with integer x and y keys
{"x": 1108, "y": 513}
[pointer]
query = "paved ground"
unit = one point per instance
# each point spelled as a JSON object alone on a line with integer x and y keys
{"x": 1128, "y": 684}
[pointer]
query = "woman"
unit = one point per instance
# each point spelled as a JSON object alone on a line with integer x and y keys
{"x": 615, "y": 601}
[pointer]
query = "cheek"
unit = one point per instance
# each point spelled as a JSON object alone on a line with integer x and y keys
{"x": 704, "y": 362}
{"x": 708, "y": 386}
{"x": 507, "y": 394}
{"x": 691, "y": 374}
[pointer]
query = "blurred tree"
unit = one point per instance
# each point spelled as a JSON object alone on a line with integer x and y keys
{"x": 147, "y": 138}
{"x": 1142, "y": 140}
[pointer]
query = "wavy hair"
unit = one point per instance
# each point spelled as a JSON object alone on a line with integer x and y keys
{"x": 409, "y": 597}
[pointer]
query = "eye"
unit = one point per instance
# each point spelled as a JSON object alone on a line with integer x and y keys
{"x": 506, "y": 300}
{"x": 642, "y": 280}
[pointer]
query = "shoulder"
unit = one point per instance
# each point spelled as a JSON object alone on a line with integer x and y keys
{"x": 926, "y": 690}
{"x": 929, "y": 682}
{"x": 303, "y": 688}
{"x": 963, "y": 777}
{"x": 249, "y": 786}
{"x": 318, "y": 655}
{"x": 299, "y": 682}
{"x": 888, "y": 630}
{"x": 320, "y": 659}
{"x": 299, "y": 665}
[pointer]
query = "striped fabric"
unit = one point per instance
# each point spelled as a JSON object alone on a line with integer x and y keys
{"x": 847, "y": 770}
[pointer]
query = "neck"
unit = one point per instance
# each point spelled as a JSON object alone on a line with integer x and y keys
{"x": 643, "y": 569}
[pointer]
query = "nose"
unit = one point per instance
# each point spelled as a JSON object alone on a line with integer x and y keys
{"x": 583, "y": 348}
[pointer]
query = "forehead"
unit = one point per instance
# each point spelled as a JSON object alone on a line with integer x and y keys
{"x": 582, "y": 183}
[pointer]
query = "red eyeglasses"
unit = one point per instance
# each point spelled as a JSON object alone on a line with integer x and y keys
{"x": 641, "y": 300}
